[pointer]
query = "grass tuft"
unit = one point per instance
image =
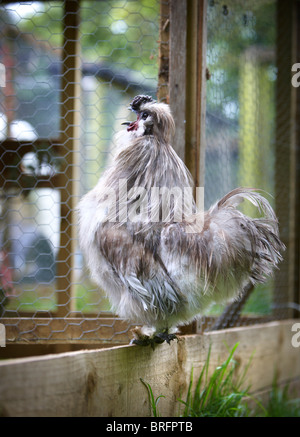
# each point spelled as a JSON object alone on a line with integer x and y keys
{"x": 220, "y": 395}
{"x": 224, "y": 394}
{"x": 280, "y": 404}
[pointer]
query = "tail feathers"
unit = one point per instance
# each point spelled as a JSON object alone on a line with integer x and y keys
{"x": 267, "y": 252}
{"x": 238, "y": 195}
{"x": 255, "y": 242}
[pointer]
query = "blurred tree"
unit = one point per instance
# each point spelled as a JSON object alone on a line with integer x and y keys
{"x": 121, "y": 32}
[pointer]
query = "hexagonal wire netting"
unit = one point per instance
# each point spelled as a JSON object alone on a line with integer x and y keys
{"x": 118, "y": 51}
{"x": 241, "y": 121}
{"x": 118, "y": 43}
{"x": 247, "y": 115}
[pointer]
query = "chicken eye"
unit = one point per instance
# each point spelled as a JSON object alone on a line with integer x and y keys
{"x": 144, "y": 115}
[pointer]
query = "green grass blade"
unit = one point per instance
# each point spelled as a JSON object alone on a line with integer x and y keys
{"x": 152, "y": 400}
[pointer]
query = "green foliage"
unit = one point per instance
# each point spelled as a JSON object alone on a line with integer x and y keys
{"x": 220, "y": 395}
{"x": 123, "y": 33}
{"x": 224, "y": 394}
{"x": 32, "y": 298}
{"x": 152, "y": 400}
{"x": 280, "y": 404}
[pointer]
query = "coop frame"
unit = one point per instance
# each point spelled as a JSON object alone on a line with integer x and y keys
{"x": 183, "y": 86}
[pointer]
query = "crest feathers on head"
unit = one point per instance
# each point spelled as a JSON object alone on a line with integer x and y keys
{"x": 140, "y": 100}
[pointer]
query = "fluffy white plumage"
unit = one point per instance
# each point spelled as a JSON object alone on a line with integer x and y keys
{"x": 166, "y": 272}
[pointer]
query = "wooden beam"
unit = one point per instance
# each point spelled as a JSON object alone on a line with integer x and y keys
{"x": 297, "y": 177}
{"x": 107, "y": 382}
{"x": 164, "y": 56}
{"x": 20, "y": 330}
{"x": 177, "y": 74}
{"x": 69, "y": 177}
{"x": 196, "y": 89}
{"x": 98, "y": 330}
{"x": 287, "y": 158}
{"x": 182, "y": 78}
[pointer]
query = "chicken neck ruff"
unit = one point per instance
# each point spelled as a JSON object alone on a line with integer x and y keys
{"x": 158, "y": 270}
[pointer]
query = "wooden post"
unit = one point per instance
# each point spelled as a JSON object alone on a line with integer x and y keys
{"x": 183, "y": 22}
{"x": 182, "y": 78}
{"x": 196, "y": 89}
{"x": 287, "y": 158}
{"x": 70, "y": 101}
{"x": 297, "y": 175}
{"x": 163, "y": 61}
{"x": 177, "y": 76}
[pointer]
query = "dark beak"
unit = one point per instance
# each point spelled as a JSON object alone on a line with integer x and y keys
{"x": 126, "y": 123}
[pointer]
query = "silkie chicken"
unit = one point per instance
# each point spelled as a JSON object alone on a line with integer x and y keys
{"x": 160, "y": 267}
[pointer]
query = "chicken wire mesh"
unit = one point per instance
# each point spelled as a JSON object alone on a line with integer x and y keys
{"x": 118, "y": 49}
{"x": 241, "y": 119}
{"x": 118, "y": 43}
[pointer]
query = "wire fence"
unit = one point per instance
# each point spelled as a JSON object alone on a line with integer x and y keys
{"x": 241, "y": 118}
{"x": 118, "y": 42}
{"x": 117, "y": 51}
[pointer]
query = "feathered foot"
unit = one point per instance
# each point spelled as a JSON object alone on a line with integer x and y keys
{"x": 141, "y": 338}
